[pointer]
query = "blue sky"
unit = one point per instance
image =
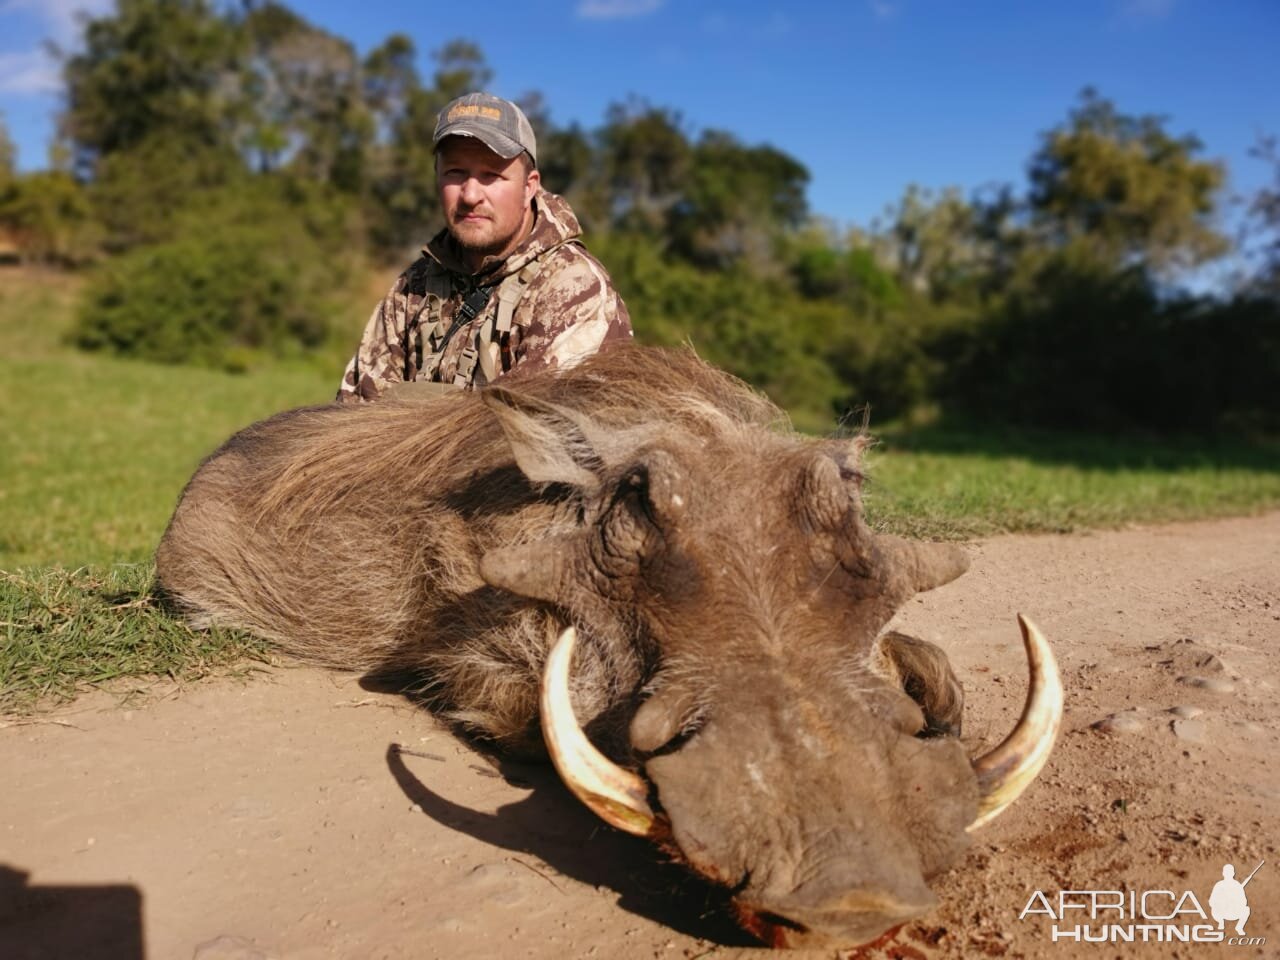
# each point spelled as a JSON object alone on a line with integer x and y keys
{"x": 869, "y": 94}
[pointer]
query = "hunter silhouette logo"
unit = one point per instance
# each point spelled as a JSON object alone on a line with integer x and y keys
{"x": 1228, "y": 900}
{"x": 1148, "y": 916}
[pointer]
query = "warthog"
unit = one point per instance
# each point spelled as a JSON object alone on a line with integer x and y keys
{"x": 726, "y": 597}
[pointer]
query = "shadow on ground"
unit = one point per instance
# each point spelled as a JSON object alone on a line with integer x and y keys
{"x": 550, "y": 826}
{"x": 85, "y": 922}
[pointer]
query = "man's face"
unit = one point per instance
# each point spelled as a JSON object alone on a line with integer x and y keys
{"x": 485, "y": 198}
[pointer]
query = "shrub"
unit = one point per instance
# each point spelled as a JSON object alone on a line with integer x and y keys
{"x": 247, "y": 275}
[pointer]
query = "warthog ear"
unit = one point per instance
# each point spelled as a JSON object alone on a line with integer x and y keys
{"x": 552, "y": 444}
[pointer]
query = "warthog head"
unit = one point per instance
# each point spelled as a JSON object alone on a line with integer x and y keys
{"x": 781, "y": 746}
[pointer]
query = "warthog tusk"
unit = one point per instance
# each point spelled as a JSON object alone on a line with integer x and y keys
{"x": 1009, "y": 769}
{"x": 617, "y": 796}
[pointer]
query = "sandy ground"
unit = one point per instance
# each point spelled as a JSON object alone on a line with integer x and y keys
{"x": 278, "y": 818}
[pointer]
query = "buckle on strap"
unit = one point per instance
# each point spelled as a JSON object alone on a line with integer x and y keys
{"x": 466, "y": 366}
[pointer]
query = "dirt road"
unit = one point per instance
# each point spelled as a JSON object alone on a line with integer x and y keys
{"x": 278, "y": 818}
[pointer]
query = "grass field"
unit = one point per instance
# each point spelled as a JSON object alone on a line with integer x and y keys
{"x": 67, "y": 629}
{"x": 96, "y": 450}
{"x": 962, "y": 483}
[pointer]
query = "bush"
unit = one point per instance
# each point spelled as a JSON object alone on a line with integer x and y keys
{"x": 751, "y": 326}
{"x": 248, "y": 275}
{"x": 49, "y": 219}
{"x": 1081, "y": 344}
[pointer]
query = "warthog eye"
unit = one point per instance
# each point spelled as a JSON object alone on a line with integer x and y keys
{"x": 682, "y": 736}
{"x": 658, "y": 484}
{"x": 775, "y": 920}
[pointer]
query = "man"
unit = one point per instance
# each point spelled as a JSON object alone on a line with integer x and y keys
{"x": 506, "y": 285}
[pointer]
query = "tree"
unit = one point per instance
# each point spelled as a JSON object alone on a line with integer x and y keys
{"x": 8, "y": 159}
{"x": 645, "y": 158}
{"x": 305, "y": 99}
{"x": 737, "y": 201}
{"x": 398, "y": 196}
{"x": 461, "y": 68}
{"x": 567, "y": 160}
{"x": 151, "y": 107}
{"x": 1125, "y": 189}
{"x": 263, "y": 116}
{"x": 390, "y": 79}
{"x": 848, "y": 270}
{"x": 934, "y": 243}
{"x": 1262, "y": 237}
{"x": 152, "y": 68}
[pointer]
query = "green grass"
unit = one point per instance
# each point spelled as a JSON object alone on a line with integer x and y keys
{"x": 95, "y": 451}
{"x": 64, "y": 630}
{"x": 959, "y": 483}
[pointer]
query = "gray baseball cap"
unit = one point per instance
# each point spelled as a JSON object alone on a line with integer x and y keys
{"x": 499, "y": 124}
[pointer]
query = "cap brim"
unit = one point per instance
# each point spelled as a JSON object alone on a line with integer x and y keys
{"x": 499, "y": 143}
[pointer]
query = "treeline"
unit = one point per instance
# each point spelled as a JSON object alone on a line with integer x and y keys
{"x": 230, "y": 173}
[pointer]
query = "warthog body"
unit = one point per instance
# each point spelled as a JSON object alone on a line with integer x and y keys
{"x": 728, "y": 598}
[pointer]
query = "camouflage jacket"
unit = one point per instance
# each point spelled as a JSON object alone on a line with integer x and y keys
{"x": 552, "y": 304}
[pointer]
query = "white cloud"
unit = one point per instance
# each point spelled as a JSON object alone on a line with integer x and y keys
{"x": 884, "y": 9}
{"x": 770, "y": 27}
{"x": 31, "y": 72}
{"x": 37, "y": 71}
{"x": 617, "y": 9}
{"x": 61, "y": 17}
{"x": 1146, "y": 9}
